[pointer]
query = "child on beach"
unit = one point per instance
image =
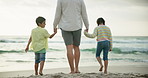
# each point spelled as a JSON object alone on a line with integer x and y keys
{"x": 39, "y": 38}
{"x": 104, "y": 42}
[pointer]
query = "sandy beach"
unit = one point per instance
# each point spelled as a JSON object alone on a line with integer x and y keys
{"x": 86, "y": 72}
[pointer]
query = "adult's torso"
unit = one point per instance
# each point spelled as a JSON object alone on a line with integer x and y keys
{"x": 71, "y": 15}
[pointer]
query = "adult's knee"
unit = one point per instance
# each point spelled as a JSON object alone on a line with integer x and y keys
{"x": 69, "y": 46}
{"x": 74, "y": 46}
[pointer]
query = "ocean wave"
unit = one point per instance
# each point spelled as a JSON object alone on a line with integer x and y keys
{"x": 25, "y": 41}
{"x": 21, "y": 51}
{"x": 11, "y": 51}
{"x": 19, "y": 61}
{"x": 128, "y": 59}
{"x": 129, "y": 51}
{"x": 53, "y": 49}
{"x": 118, "y": 51}
{"x": 11, "y": 41}
{"x": 131, "y": 41}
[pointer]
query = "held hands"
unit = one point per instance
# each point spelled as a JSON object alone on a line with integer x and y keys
{"x": 55, "y": 30}
{"x": 86, "y": 30}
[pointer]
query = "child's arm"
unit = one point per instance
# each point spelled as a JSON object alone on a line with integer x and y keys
{"x": 55, "y": 31}
{"x": 91, "y": 35}
{"x": 52, "y": 35}
{"x": 27, "y": 48}
{"x": 111, "y": 43}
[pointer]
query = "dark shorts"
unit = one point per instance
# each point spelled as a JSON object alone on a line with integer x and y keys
{"x": 39, "y": 57}
{"x": 72, "y": 37}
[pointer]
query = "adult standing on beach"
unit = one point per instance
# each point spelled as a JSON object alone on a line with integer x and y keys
{"x": 69, "y": 15}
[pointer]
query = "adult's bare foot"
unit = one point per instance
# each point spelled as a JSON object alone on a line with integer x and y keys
{"x": 72, "y": 72}
{"x": 77, "y": 71}
{"x": 105, "y": 72}
{"x": 41, "y": 74}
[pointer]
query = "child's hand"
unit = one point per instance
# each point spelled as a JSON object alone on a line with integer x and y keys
{"x": 55, "y": 32}
{"x": 26, "y": 49}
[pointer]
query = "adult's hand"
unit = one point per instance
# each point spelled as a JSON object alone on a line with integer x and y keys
{"x": 55, "y": 30}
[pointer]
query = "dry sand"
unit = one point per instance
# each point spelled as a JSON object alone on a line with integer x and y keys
{"x": 132, "y": 71}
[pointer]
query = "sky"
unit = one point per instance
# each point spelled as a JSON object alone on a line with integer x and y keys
{"x": 124, "y": 17}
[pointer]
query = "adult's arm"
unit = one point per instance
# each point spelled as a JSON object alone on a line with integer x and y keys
{"x": 84, "y": 15}
{"x": 57, "y": 14}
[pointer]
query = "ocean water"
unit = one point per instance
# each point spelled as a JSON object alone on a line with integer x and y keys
{"x": 126, "y": 51}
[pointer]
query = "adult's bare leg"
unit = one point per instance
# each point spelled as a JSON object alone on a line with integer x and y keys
{"x": 77, "y": 58}
{"x": 70, "y": 57}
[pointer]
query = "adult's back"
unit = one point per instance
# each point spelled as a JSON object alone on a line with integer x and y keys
{"x": 69, "y": 15}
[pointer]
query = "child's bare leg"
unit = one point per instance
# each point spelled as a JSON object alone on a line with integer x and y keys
{"x": 105, "y": 65}
{"x": 41, "y": 67}
{"x": 77, "y": 57}
{"x": 36, "y": 68}
{"x": 100, "y": 62}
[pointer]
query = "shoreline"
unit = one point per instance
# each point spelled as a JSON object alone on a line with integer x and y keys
{"x": 85, "y": 70}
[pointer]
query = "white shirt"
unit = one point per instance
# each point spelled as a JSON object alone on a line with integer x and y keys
{"x": 69, "y": 15}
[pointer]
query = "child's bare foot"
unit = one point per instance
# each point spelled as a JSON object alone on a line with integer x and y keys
{"x": 101, "y": 68}
{"x": 105, "y": 72}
